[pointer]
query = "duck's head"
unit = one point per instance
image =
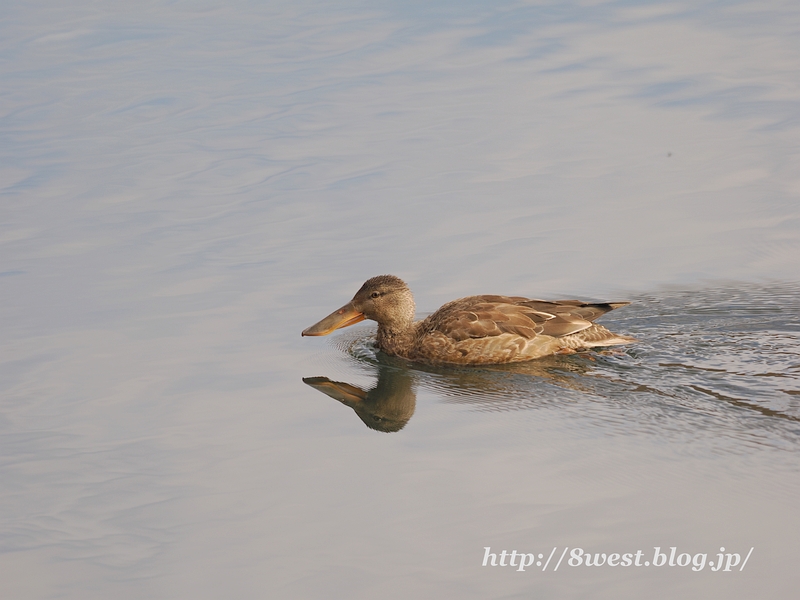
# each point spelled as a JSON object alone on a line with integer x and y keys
{"x": 385, "y": 299}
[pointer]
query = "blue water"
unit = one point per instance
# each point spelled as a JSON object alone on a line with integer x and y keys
{"x": 184, "y": 187}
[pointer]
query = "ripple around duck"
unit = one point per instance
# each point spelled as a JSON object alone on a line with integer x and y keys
{"x": 724, "y": 360}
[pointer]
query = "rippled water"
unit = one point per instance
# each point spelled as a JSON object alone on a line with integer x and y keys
{"x": 184, "y": 187}
{"x": 724, "y": 360}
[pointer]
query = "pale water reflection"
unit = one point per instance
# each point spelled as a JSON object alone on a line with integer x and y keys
{"x": 184, "y": 186}
{"x": 386, "y": 407}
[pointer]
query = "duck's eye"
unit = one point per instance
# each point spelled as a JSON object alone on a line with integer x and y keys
{"x": 375, "y": 295}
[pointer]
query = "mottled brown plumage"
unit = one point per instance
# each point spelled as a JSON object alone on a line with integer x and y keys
{"x": 475, "y": 330}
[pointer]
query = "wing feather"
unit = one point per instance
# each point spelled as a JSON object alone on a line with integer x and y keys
{"x": 489, "y": 319}
{"x": 493, "y": 329}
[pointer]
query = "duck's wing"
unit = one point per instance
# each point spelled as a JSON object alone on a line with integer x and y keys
{"x": 577, "y": 317}
{"x": 500, "y": 329}
{"x": 587, "y": 311}
{"x": 488, "y": 316}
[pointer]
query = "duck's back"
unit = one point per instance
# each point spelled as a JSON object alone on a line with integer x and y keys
{"x": 500, "y": 329}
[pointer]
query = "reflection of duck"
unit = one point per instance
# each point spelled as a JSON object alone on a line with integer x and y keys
{"x": 390, "y": 403}
{"x": 473, "y": 330}
{"x": 386, "y": 407}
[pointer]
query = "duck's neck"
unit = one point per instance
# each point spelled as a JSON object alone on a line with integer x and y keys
{"x": 396, "y": 340}
{"x": 396, "y": 327}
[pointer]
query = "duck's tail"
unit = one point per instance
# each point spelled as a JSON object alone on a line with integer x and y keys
{"x": 595, "y": 336}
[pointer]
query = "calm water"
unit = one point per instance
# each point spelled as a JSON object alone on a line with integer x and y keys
{"x": 184, "y": 187}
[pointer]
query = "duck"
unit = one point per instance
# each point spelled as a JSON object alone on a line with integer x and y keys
{"x": 476, "y": 330}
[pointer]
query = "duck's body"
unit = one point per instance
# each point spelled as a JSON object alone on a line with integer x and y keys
{"x": 477, "y": 330}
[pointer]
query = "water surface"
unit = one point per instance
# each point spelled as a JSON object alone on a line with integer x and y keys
{"x": 184, "y": 187}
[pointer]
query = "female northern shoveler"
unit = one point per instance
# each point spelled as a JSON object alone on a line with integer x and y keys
{"x": 477, "y": 330}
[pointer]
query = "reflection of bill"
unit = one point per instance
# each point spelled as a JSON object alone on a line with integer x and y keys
{"x": 386, "y": 407}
